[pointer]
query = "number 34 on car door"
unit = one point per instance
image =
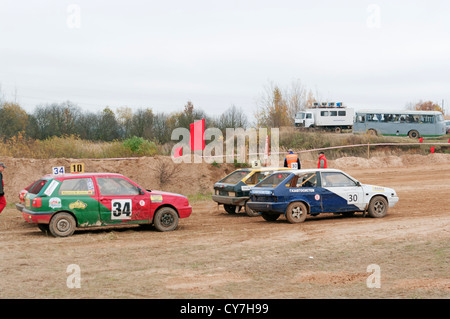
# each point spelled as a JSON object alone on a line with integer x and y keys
{"x": 121, "y": 209}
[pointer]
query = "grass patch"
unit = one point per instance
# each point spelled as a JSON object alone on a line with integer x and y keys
{"x": 72, "y": 146}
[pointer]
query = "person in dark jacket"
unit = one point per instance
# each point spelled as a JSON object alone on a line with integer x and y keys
{"x": 2, "y": 190}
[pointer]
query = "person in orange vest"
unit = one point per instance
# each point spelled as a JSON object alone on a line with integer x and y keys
{"x": 322, "y": 161}
{"x": 292, "y": 160}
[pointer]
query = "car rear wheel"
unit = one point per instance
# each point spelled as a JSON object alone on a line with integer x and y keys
{"x": 166, "y": 219}
{"x": 378, "y": 207}
{"x": 296, "y": 212}
{"x": 62, "y": 225}
{"x": 250, "y": 212}
{"x": 270, "y": 217}
{"x": 230, "y": 209}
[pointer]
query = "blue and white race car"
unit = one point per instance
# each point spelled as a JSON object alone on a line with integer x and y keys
{"x": 298, "y": 193}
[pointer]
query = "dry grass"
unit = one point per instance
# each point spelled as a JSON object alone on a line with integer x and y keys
{"x": 70, "y": 146}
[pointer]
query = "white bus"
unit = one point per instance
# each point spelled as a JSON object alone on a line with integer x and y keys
{"x": 414, "y": 124}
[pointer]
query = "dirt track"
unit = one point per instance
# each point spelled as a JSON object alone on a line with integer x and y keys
{"x": 216, "y": 255}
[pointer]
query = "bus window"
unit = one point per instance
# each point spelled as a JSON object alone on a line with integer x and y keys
{"x": 361, "y": 119}
{"x": 333, "y": 113}
{"x": 324, "y": 113}
{"x": 342, "y": 113}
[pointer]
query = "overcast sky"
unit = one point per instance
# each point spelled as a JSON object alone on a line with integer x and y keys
{"x": 160, "y": 54}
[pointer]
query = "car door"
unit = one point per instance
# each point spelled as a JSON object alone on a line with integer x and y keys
{"x": 304, "y": 187}
{"x": 77, "y": 195}
{"x": 342, "y": 194}
{"x": 121, "y": 201}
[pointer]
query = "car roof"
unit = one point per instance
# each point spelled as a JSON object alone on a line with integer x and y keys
{"x": 310, "y": 170}
{"x": 70, "y": 175}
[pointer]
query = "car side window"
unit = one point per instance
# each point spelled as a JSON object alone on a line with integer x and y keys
{"x": 116, "y": 186}
{"x": 304, "y": 180}
{"x": 258, "y": 177}
{"x": 336, "y": 179}
{"x": 77, "y": 186}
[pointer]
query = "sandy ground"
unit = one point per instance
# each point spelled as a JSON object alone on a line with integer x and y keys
{"x": 216, "y": 255}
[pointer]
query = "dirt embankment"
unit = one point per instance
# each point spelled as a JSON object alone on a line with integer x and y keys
{"x": 185, "y": 178}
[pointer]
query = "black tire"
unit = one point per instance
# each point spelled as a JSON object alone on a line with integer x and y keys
{"x": 44, "y": 228}
{"x": 296, "y": 212}
{"x": 250, "y": 212}
{"x": 372, "y": 132}
{"x": 62, "y": 225}
{"x": 378, "y": 207}
{"x": 165, "y": 219}
{"x": 413, "y": 134}
{"x": 338, "y": 130}
{"x": 230, "y": 209}
{"x": 270, "y": 217}
{"x": 348, "y": 214}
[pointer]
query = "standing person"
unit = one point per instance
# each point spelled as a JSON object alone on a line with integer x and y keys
{"x": 322, "y": 161}
{"x": 2, "y": 191}
{"x": 292, "y": 160}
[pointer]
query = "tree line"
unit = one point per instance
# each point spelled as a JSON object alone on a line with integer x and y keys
{"x": 275, "y": 108}
{"x": 63, "y": 119}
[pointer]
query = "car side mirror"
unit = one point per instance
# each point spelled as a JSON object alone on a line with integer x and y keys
{"x": 358, "y": 184}
{"x": 141, "y": 192}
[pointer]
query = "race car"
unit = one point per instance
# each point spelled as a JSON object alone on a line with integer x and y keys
{"x": 60, "y": 203}
{"x": 233, "y": 191}
{"x": 299, "y": 193}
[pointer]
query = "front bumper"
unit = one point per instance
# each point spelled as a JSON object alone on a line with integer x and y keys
{"x": 392, "y": 201}
{"x": 228, "y": 200}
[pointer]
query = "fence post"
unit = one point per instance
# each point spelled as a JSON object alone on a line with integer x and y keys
{"x": 368, "y": 150}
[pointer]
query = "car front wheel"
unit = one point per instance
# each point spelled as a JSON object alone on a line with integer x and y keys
{"x": 378, "y": 207}
{"x": 166, "y": 219}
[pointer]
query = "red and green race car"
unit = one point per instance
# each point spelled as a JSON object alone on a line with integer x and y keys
{"x": 61, "y": 203}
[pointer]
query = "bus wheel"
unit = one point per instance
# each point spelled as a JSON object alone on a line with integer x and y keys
{"x": 372, "y": 132}
{"x": 413, "y": 134}
{"x": 338, "y": 130}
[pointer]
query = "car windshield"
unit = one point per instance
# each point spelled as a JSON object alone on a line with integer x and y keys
{"x": 235, "y": 177}
{"x": 273, "y": 180}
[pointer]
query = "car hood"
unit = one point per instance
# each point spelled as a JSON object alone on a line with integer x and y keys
{"x": 378, "y": 189}
{"x": 156, "y": 192}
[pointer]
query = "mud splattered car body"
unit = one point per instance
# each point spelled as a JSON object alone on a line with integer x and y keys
{"x": 233, "y": 191}
{"x": 61, "y": 203}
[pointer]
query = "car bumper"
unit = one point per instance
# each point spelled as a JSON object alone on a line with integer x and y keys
{"x": 392, "y": 201}
{"x": 227, "y": 200}
{"x": 185, "y": 211}
{"x": 268, "y": 207}
{"x": 20, "y": 207}
{"x": 36, "y": 217}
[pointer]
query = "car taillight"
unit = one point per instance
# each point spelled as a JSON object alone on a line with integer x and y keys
{"x": 37, "y": 202}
